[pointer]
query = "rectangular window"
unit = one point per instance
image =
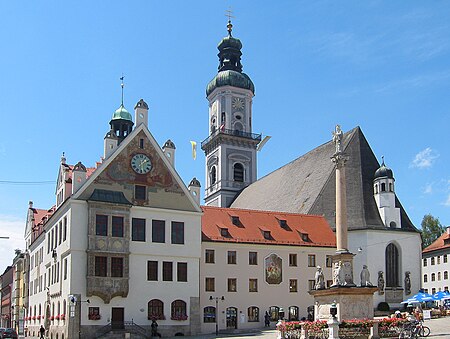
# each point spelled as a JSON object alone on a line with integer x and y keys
{"x": 48, "y": 245}
{"x": 182, "y": 271}
{"x": 60, "y": 233}
{"x": 65, "y": 229}
{"x": 425, "y": 262}
{"x": 253, "y": 258}
{"x": 167, "y": 271}
{"x": 232, "y": 285}
{"x": 141, "y": 143}
{"x": 140, "y": 192}
{"x": 328, "y": 260}
{"x": 292, "y": 285}
{"x": 311, "y": 284}
{"x": 311, "y": 260}
{"x": 152, "y": 270}
{"x": 101, "y": 225}
{"x": 177, "y": 232}
{"x": 293, "y": 259}
{"x": 209, "y": 284}
{"x": 253, "y": 285}
{"x": 117, "y": 267}
{"x": 232, "y": 257}
{"x": 117, "y": 227}
{"x": 209, "y": 256}
{"x": 65, "y": 269}
{"x": 158, "y": 231}
{"x": 100, "y": 266}
{"x": 138, "y": 229}
{"x": 94, "y": 313}
{"x": 56, "y": 236}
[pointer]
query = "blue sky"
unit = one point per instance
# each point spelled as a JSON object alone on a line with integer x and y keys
{"x": 382, "y": 65}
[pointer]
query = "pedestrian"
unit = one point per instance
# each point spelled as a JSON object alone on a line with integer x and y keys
{"x": 267, "y": 319}
{"x": 42, "y": 331}
{"x": 154, "y": 326}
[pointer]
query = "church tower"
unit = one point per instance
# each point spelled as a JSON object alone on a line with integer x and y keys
{"x": 121, "y": 122}
{"x": 230, "y": 148}
{"x": 384, "y": 194}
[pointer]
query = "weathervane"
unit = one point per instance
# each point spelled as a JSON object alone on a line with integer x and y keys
{"x": 122, "y": 85}
{"x": 229, "y": 14}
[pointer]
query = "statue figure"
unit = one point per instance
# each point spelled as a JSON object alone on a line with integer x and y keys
{"x": 407, "y": 283}
{"x": 337, "y": 274}
{"x": 320, "y": 280}
{"x": 337, "y": 138}
{"x": 365, "y": 277}
{"x": 380, "y": 283}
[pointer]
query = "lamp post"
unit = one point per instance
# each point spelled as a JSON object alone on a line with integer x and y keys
{"x": 211, "y": 298}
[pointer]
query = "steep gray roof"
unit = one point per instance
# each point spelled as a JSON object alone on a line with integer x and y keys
{"x": 307, "y": 185}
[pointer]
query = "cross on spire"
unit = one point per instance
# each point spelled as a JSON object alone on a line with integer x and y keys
{"x": 122, "y": 85}
{"x": 229, "y": 14}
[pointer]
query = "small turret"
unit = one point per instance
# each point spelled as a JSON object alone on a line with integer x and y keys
{"x": 78, "y": 176}
{"x": 110, "y": 143}
{"x": 169, "y": 151}
{"x": 194, "y": 188}
{"x": 384, "y": 194}
{"x": 141, "y": 113}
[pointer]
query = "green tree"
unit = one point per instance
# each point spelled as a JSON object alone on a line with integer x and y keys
{"x": 431, "y": 230}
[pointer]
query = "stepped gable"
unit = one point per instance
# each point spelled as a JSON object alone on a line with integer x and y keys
{"x": 307, "y": 185}
{"x": 265, "y": 227}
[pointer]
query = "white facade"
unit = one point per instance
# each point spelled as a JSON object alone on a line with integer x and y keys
{"x": 267, "y": 295}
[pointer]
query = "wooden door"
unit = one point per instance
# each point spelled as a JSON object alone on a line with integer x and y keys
{"x": 117, "y": 318}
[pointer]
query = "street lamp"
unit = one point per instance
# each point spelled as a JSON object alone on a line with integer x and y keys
{"x": 211, "y": 298}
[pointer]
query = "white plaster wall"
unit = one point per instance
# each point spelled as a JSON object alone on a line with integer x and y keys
{"x": 438, "y": 285}
{"x": 373, "y": 244}
{"x": 267, "y": 295}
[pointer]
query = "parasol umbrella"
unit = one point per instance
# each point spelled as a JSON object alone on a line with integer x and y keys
{"x": 441, "y": 295}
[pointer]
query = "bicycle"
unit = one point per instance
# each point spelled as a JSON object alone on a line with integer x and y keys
{"x": 423, "y": 331}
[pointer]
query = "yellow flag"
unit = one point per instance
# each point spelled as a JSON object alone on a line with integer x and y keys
{"x": 194, "y": 149}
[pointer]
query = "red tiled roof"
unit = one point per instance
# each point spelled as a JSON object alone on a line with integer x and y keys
{"x": 315, "y": 229}
{"x": 440, "y": 243}
{"x": 89, "y": 171}
{"x": 40, "y": 218}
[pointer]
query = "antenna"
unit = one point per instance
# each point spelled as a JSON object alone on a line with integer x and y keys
{"x": 122, "y": 85}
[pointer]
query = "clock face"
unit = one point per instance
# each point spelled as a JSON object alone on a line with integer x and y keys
{"x": 141, "y": 164}
{"x": 238, "y": 104}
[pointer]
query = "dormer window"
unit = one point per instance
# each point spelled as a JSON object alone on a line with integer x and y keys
{"x": 267, "y": 235}
{"x": 283, "y": 223}
{"x": 304, "y": 236}
{"x": 224, "y": 232}
{"x": 235, "y": 220}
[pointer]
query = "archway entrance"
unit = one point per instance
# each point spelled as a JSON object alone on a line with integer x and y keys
{"x": 231, "y": 318}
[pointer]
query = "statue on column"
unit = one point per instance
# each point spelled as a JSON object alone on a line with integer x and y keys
{"x": 380, "y": 283}
{"x": 338, "y": 279}
{"x": 320, "y": 279}
{"x": 337, "y": 138}
{"x": 365, "y": 277}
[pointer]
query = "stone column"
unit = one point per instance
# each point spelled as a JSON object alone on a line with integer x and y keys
{"x": 341, "y": 204}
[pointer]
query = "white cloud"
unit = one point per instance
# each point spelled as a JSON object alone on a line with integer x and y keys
{"x": 428, "y": 189}
{"x": 447, "y": 203}
{"x": 425, "y": 158}
{"x": 13, "y": 228}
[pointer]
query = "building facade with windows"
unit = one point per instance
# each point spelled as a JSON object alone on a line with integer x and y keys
{"x": 436, "y": 264}
{"x": 121, "y": 247}
{"x": 260, "y": 261}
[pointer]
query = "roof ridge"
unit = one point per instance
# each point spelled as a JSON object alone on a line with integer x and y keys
{"x": 260, "y": 211}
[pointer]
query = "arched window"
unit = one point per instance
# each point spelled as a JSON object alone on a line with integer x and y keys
{"x": 274, "y": 312}
{"x": 40, "y": 309}
{"x": 213, "y": 175}
{"x": 34, "y": 313}
{"x": 64, "y": 308}
{"x": 433, "y": 277}
{"x": 376, "y": 188}
{"x": 238, "y": 128}
{"x": 155, "y": 310}
{"x": 392, "y": 266}
{"x": 293, "y": 313}
{"x": 253, "y": 314}
{"x": 53, "y": 309}
{"x": 238, "y": 172}
{"x": 209, "y": 314}
{"x": 439, "y": 276}
{"x": 391, "y": 187}
{"x": 178, "y": 311}
{"x": 445, "y": 275}
{"x": 383, "y": 187}
{"x": 425, "y": 278}
{"x": 59, "y": 308}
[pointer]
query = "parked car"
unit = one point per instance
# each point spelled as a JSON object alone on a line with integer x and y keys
{"x": 10, "y": 333}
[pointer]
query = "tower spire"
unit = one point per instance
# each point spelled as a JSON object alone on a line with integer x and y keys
{"x": 229, "y": 14}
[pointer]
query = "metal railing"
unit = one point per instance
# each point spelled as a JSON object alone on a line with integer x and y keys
{"x": 247, "y": 135}
{"x": 129, "y": 326}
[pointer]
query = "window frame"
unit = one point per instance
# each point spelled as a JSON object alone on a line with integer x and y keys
{"x": 210, "y": 284}
{"x": 292, "y": 259}
{"x": 231, "y": 257}
{"x": 138, "y": 231}
{"x": 100, "y": 266}
{"x": 117, "y": 230}
{"x": 253, "y": 258}
{"x": 101, "y": 229}
{"x": 252, "y": 285}
{"x": 232, "y": 284}
{"x": 177, "y": 232}
{"x": 311, "y": 260}
{"x": 182, "y": 272}
{"x": 152, "y": 270}
{"x": 140, "y": 192}
{"x": 210, "y": 256}
{"x": 158, "y": 231}
{"x": 167, "y": 271}
{"x": 117, "y": 265}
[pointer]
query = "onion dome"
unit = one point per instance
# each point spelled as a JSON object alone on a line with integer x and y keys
{"x": 384, "y": 172}
{"x": 230, "y": 67}
{"x": 121, "y": 113}
{"x": 195, "y": 182}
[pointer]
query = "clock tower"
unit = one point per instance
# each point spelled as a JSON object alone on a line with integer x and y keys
{"x": 230, "y": 148}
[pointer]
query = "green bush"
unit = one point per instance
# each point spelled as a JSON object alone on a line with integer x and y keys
{"x": 383, "y": 306}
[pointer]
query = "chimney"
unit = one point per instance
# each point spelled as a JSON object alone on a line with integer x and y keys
{"x": 78, "y": 176}
{"x": 141, "y": 113}
{"x": 169, "y": 151}
{"x": 194, "y": 188}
